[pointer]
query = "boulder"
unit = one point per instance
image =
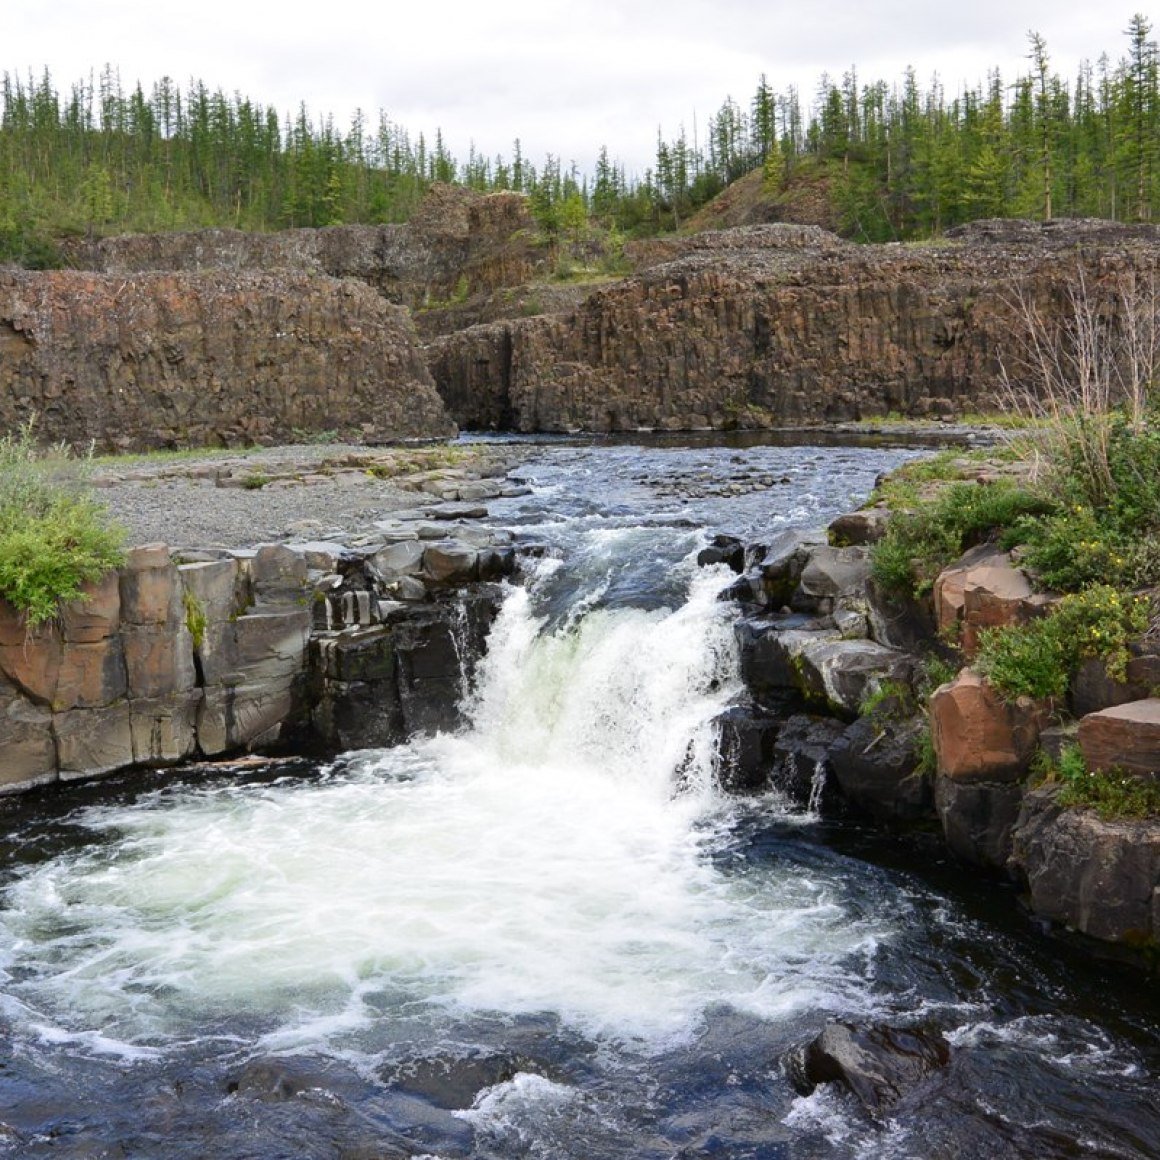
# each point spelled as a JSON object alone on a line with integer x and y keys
{"x": 402, "y": 559}
{"x": 856, "y": 529}
{"x": 875, "y": 764}
{"x": 978, "y": 736}
{"x": 777, "y": 567}
{"x": 984, "y": 590}
{"x": 723, "y": 549}
{"x": 1124, "y": 737}
{"x": 841, "y": 673}
{"x": 745, "y": 747}
{"x": 949, "y": 585}
{"x": 830, "y": 573}
{"x": 768, "y": 647}
{"x": 877, "y": 1065}
{"x": 977, "y": 820}
{"x": 1101, "y": 878}
{"x": 450, "y": 562}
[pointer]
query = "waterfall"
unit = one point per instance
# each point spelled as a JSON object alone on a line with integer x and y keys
{"x": 546, "y": 858}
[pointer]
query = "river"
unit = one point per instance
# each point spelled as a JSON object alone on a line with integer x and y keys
{"x": 548, "y": 935}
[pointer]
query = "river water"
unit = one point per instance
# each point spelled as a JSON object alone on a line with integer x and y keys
{"x": 548, "y": 935}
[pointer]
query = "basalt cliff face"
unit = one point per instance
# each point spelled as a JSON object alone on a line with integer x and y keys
{"x": 458, "y": 244}
{"x": 224, "y": 337}
{"x": 137, "y": 361}
{"x": 783, "y": 325}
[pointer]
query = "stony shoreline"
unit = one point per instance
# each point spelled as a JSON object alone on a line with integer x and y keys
{"x": 333, "y": 491}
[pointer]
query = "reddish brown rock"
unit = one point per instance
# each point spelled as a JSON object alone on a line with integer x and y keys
{"x": 209, "y": 358}
{"x": 30, "y": 658}
{"x": 96, "y": 615}
{"x": 984, "y": 590}
{"x": 980, "y": 737}
{"x": 777, "y": 324}
{"x": 29, "y": 748}
{"x": 1124, "y": 737}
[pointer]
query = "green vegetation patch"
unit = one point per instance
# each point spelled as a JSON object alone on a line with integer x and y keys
{"x": 1040, "y": 658}
{"x": 54, "y": 538}
{"x": 1114, "y": 795}
{"x": 923, "y": 540}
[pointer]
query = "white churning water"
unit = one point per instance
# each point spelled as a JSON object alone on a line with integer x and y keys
{"x": 556, "y": 856}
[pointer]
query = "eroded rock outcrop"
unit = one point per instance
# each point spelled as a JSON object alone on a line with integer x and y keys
{"x": 778, "y": 324}
{"x": 458, "y": 243}
{"x": 207, "y": 653}
{"x": 168, "y": 360}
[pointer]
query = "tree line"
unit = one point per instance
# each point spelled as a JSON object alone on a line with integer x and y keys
{"x": 897, "y": 162}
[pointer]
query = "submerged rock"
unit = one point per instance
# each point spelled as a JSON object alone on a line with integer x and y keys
{"x": 878, "y": 1065}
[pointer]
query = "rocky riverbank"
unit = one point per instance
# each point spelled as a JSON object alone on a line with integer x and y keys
{"x": 838, "y": 711}
{"x": 360, "y": 629}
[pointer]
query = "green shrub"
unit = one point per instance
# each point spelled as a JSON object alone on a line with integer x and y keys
{"x": 1107, "y": 526}
{"x": 53, "y": 537}
{"x": 921, "y": 542}
{"x": 1113, "y": 794}
{"x": 1040, "y": 658}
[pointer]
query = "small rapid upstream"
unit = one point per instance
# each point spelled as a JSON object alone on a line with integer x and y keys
{"x": 554, "y": 909}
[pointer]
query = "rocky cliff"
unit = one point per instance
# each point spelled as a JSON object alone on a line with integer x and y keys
{"x": 135, "y": 361}
{"x": 772, "y": 325}
{"x": 459, "y": 243}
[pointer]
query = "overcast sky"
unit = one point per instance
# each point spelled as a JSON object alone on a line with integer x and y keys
{"x": 562, "y": 75}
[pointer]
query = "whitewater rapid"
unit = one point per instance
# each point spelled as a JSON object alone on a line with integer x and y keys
{"x": 558, "y": 855}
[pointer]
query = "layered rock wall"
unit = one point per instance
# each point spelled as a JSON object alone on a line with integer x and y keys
{"x": 774, "y": 325}
{"x": 458, "y": 243}
{"x": 166, "y": 360}
{"x": 213, "y": 653}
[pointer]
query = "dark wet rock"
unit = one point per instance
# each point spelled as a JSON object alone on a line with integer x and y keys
{"x": 454, "y": 1081}
{"x": 275, "y": 1080}
{"x": 781, "y": 564}
{"x": 801, "y": 753}
{"x": 723, "y": 549}
{"x": 978, "y": 819}
{"x": 768, "y": 648}
{"x": 900, "y": 621}
{"x": 878, "y": 1065}
{"x": 1099, "y": 877}
{"x": 746, "y": 735}
{"x": 876, "y": 763}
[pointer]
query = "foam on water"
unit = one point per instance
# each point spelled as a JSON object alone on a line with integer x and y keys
{"x": 549, "y": 858}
